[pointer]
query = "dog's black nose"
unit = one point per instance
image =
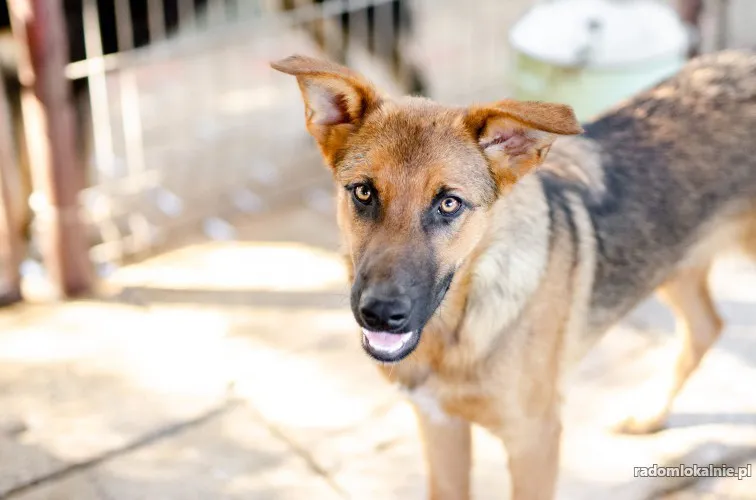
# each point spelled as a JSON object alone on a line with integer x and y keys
{"x": 383, "y": 312}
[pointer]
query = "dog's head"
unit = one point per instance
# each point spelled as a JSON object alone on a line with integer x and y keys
{"x": 415, "y": 183}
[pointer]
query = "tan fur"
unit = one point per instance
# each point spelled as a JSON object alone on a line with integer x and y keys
{"x": 698, "y": 327}
{"x": 748, "y": 242}
{"x": 697, "y": 322}
{"x": 537, "y": 253}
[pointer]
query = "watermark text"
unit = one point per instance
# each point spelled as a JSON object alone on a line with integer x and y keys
{"x": 709, "y": 470}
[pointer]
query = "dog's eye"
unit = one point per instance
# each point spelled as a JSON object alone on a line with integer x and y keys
{"x": 449, "y": 206}
{"x": 363, "y": 194}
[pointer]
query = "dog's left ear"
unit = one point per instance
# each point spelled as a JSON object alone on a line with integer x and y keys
{"x": 515, "y": 136}
{"x": 336, "y": 99}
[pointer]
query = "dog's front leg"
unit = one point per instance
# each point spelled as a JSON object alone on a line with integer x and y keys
{"x": 447, "y": 446}
{"x": 533, "y": 448}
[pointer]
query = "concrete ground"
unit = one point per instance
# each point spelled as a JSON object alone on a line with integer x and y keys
{"x": 233, "y": 370}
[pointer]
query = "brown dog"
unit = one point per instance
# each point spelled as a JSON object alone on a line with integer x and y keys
{"x": 478, "y": 279}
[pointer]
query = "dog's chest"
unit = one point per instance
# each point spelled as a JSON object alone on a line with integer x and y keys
{"x": 442, "y": 403}
{"x": 443, "y": 396}
{"x": 427, "y": 402}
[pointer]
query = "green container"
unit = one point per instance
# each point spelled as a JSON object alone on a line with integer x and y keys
{"x": 588, "y": 90}
{"x": 591, "y": 54}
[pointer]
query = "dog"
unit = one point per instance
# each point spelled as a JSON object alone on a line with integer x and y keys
{"x": 489, "y": 247}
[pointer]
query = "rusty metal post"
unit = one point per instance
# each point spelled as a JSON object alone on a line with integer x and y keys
{"x": 11, "y": 246}
{"x": 58, "y": 175}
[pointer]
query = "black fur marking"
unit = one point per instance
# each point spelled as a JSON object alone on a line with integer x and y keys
{"x": 371, "y": 210}
{"x": 443, "y": 287}
{"x": 559, "y": 207}
{"x": 672, "y": 161}
{"x": 432, "y": 219}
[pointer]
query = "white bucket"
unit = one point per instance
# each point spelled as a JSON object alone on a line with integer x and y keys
{"x": 593, "y": 53}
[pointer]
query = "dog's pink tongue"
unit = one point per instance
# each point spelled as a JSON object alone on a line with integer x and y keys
{"x": 385, "y": 340}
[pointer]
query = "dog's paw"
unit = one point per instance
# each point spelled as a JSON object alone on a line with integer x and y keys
{"x": 640, "y": 424}
{"x": 646, "y": 415}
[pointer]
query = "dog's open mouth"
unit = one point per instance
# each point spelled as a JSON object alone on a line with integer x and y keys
{"x": 389, "y": 347}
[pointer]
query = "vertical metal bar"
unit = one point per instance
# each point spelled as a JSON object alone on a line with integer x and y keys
{"x": 39, "y": 26}
{"x": 132, "y": 124}
{"x": 156, "y": 20}
{"x": 384, "y": 33}
{"x": 359, "y": 33}
{"x": 135, "y": 161}
{"x": 130, "y": 111}
{"x": 398, "y": 70}
{"x": 124, "y": 27}
{"x": 11, "y": 247}
{"x": 186, "y": 14}
{"x": 98, "y": 91}
{"x": 100, "y": 109}
{"x": 723, "y": 24}
{"x": 333, "y": 36}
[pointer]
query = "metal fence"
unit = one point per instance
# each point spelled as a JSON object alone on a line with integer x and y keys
{"x": 194, "y": 127}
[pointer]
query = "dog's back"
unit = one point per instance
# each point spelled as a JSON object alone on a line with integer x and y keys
{"x": 675, "y": 179}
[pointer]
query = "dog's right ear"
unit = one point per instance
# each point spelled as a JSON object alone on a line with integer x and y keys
{"x": 336, "y": 99}
{"x": 515, "y": 136}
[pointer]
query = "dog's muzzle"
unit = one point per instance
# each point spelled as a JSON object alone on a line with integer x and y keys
{"x": 393, "y": 346}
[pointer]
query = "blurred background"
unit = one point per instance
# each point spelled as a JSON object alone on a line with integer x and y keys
{"x": 156, "y": 174}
